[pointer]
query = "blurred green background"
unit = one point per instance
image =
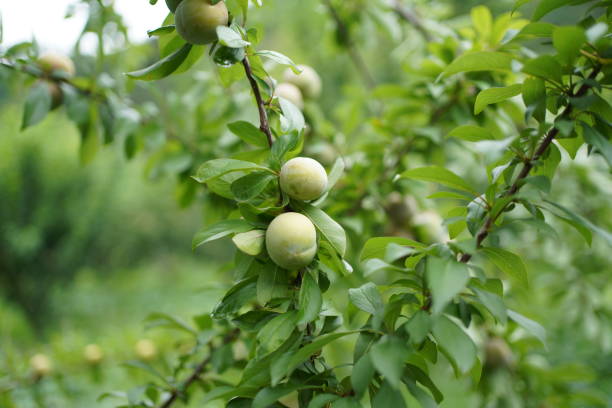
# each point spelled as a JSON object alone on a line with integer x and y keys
{"x": 88, "y": 252}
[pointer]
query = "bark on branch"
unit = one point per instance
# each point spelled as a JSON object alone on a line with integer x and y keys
{"x": 528, "y": 165}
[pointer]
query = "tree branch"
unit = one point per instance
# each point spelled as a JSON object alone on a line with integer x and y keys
{"x": 37, "y": 73}
{"x": 352, "y": 50}
{"x": 197, "y": 372}
{"x": 527, "y": 167}
{"x": 411, "y": 18}
{"x": 261, "y": 106}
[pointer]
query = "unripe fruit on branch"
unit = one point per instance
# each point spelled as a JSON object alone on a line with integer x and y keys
{"x": 52, "y": 63}
{"x": 145, "y": 349}
{"x": 197, "y": 20}
{"x": 303, "y": 178}
{"x": 308, "y": 81}
{"x": 291, "y": 240}
{"x": 498, "y": 354}
{"x": 41, "y": 365}
{"x": 93, "y": 354}
{"x": 291, "y": 93}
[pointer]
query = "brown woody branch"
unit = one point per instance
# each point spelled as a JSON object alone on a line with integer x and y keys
{"x": 197, "y": 372}
{"x": 261, "y": 106}
{"x": 528, "y": 165}
{"x": 411, "y": 18}
{"x": 352, "y": 50}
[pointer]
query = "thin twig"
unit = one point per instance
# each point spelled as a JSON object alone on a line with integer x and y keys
{"x": 352, "y": 50}
{"x": 483, "y": 233}
{"x": 42, "y": 75}
{"x": 411, "y": 18}
{"x": 197, "y": 372}
{"x": 261, "y": 106}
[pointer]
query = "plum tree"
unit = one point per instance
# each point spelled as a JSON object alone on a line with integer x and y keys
{"x": 52, "y": 63}
{"x": 303, "y": 178}
{"x": 291, "y": 240}
{"x": 197, "y": 20}
{"x": 290, "y": 92}
{"x": 172, "y": 4}
{"x": 308, "y": 81}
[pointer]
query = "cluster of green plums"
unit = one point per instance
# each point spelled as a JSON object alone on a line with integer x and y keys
{"x": 291, "y": 238}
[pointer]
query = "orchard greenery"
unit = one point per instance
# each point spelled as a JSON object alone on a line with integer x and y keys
{"x": 311, "y": 274}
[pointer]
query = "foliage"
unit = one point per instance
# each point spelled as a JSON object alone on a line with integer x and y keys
{"x": 485, "y": 113}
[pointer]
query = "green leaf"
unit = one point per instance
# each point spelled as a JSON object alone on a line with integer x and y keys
{"x": 482, "y": 21}
{"x": 146, "y": 368}
{"x": 546, "y": 6}
{"x": 377, "y": 247}
{"x": 279, "y": 58}
{"x": 580, "y": 222}
{"x": 471, "y": 133}
{"x": 292, "y": 118}
{"x": 330, "y": 229}
{"x": 335, "y": 173}
{"x": 310, "y": 299}
{"x": 251, "y": 242}
{"x": 276, "y": 331}
{"x": 388, "y": 396}
{"x": 249, "y": 133}
{"x": 493, "y": 303}
{"x": 362, "y": 374}
{"x": 568, "y": 41}
{"x": 480, "y": 61}
{"x": 508, "y": 262}
{"x": 600, "y": 143}
{"x": 531, "y": 326}
{"x": 37, "y": 104}
{"x": 321, "y": 400}
{"x": 163, "y": 30}
{"x": 495, "y": 95}
{"x": 445, "y": 278}
{"x": 301, "y": 355}
{"x": 418, "y": 326}
{"x": 388, "y": 357}
{"x": 367, "y": 299}
{"x": 241, "y": 293}
{"x": 545, "y": 67}
{"x": 455, "y": 344}
{"x": 218, "y": 167}
{"x": 251, "y": 185}
{"x": 534, "y": 97}
{"x": 158, "y": 319}
{"x": 267, "y": 396}
{"x": 163, "y": 67}
{"x": 227, "y": 392}
{"x": 269, "y": 281}
{"x": 220, "y": 230}
{"x": 441, "y": 176}
{"x": 421, "y": 376}
{"x": 230, "y": 38}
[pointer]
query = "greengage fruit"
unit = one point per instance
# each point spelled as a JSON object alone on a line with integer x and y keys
{"x": 291, "y": 93}
{"x": 51, "y": 63}
{"x": 197, "y": 20}
{"x": 303, "y": 178}
{"x": 308, "y": 81}
{"x": 291, "y": 240}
